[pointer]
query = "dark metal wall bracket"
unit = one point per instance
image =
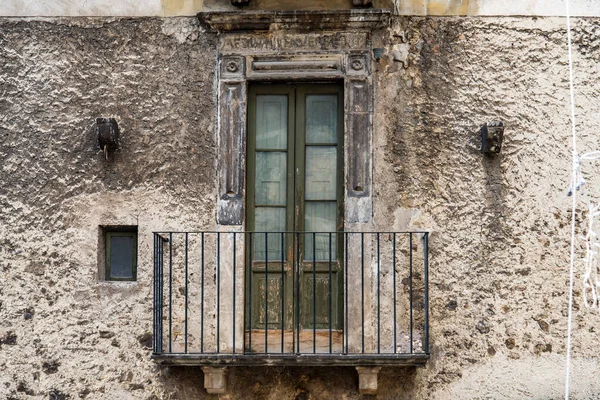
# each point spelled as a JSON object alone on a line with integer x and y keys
{"x": 492, "y": 134}
{"x": 107, "y": 133}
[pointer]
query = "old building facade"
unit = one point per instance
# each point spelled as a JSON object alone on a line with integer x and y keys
{"x": 147, "y": 148}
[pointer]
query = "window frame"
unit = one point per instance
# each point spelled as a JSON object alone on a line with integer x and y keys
{"x": 126, "y": 232}
{"x": 296, "y": 144}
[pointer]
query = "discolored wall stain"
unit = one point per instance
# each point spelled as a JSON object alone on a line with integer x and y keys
{"x": 452, "y": 7}
{"x": 181, "y": 7}
{"x": 439, "y": 7}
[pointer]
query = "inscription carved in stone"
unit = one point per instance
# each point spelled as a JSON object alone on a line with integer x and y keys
{"x": 291, "y": 42}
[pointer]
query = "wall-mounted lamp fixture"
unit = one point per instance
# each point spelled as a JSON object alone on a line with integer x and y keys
{"x": 107, "y": 131}
{"x": 378, "y": 53}
{"x": 492, "y": 134}
{"x": 362, "y": 3}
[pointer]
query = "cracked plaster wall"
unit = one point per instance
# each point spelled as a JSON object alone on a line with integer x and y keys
{"x": 499, "y": 243}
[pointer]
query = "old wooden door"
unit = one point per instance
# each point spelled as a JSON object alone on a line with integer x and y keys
{"x": 295, "y": 211}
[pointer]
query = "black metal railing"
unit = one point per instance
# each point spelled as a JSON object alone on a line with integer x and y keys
{"x": 291, "y": 293}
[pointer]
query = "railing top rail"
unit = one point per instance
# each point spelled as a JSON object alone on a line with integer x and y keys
{"x": 295, "y": 232}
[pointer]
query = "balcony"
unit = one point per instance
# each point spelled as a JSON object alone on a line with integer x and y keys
{"x": 291, "y": 298}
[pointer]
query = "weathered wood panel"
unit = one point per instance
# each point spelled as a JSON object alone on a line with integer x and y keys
{"x": 320, "y": 340}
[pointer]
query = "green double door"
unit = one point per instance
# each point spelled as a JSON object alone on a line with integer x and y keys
{"x": 295, "y": 211}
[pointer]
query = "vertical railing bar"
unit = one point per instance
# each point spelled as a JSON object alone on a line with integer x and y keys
{"x": 410, "y": 286}
{"x": 244, "y": 314}
{"x": 347, "y": 289}
{"x": 250, "y": 272}
{"x": 218, "y": 292}
{"x": 426, "y": 278}
{"x": 298, "y": 272}
{"x": 202, "y": 298}
{"x": 378, "y": 296}
{"x": 186, "y": 294}
{"x": 282, "y": 292}
{"x": 154, "y": 295}
{"x": 314, "y": 293}
{"x": 394, "y": 286}
{"x": 170, "y": 291}
{"x": 234, "y": 261}
{"x": 160, "y": 295}
{"x": 330, "y": 296}
{"x": 293, "y": 274}
{"x": 266, "y": 293}
{"x": 362, "y": 289}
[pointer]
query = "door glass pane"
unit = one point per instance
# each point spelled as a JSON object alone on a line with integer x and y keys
{"x": 321, "y": 173}
{"x": 271, "y": 170}
{"x": 321, "y": 118}
{"x": 268, "y": 219}
{"x": 271, "y": 122}
{"x": 121, "y": 257}
{"x": 319, "y": 217}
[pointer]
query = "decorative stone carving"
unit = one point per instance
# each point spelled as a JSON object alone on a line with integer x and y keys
{"x": 290, "y": 52}
{"x": 357, "y": 64}
{"x": 232, "y": 67}
{"x": 291, "y": 67}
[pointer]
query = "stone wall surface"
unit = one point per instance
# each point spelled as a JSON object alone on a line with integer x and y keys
{"x": 500, "y": 225}
{"x": 500, "y": 241}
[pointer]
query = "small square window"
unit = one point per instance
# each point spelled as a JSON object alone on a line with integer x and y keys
{"x": 121, "y": 255}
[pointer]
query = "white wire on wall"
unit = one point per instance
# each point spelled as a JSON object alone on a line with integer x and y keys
{"x": 575, "y": 183}
{"x": 591, "y": 284}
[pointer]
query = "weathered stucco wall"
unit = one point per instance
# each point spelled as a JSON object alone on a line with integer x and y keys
{"x": 500, "y": 225}
{"x": 499, "y": 243}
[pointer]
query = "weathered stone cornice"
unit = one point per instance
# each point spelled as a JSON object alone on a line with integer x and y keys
{"x": 228, "y": 21}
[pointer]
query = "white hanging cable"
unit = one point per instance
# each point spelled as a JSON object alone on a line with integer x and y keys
{"x": 575, "y": 182}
